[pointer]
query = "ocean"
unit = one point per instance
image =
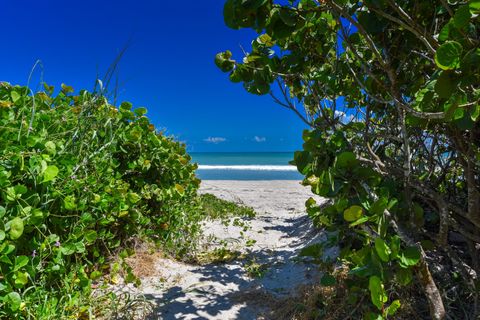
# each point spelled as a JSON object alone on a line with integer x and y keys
{"x": 245, "y": 166}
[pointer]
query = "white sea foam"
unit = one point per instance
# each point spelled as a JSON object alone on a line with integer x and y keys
{"x": 248, "y": 167}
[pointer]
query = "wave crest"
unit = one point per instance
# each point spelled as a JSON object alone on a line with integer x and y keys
{"x": 248, "y": 167}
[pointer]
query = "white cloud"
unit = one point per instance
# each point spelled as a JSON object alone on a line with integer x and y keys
{"x": 259, "y": 139}
{"x": 215, "y": 140}
{"x": 344, "y": 118}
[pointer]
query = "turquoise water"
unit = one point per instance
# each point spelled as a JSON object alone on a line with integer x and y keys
{"x": 245, "y": 166}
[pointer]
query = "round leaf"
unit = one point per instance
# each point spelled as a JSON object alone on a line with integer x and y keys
{"x": 409, "y": 257}
{"x": 13, "y": 301}
{"x": 353, "y": 213}
{"x": 16, "y": 228}
{"x": 462, "y": 17}
{"x": 404, "y": 276}
{"x": 20, "y": 262}
{"x": 90, "y": 236}
{"x": 50, "y": 173}
{"x": 346, "y": 160}
{"x": 21, "y": 279}
{"x": 448, "y": 54}
{"x": 445, "y": 86}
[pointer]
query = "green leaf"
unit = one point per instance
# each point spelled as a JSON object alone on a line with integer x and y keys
{"x": 66, "y": 89}
{"x": 126, "y": 106}
{"x": 409, "y": 257}
{"x": 80, "y": 247}
{"x": 229, "y": 14}
{"x": 50, "y": 173}
{"x": 50, "y": 147}
{"x": 315, "y": 251}
{"x": 266, "y": 40}
{"x": 328, "y": 280}
{"x": 379, "y": 206}
{"x": 474, "y": 6}
{"x": 90, "y": 236}
{"x": 15, "y": 96}
{"x": 2, "y": 211}
{"x": 68, "y": 249}
{"x": 180, "y": 189}
{"x": 346, "y": 160}
{"x": 20, "y": 262}
{"x": 140, "y": 111}
{"x": 445, "y": 31}
{"x": 36, "y": 217}
{"x": 16, "y": 228}
{"x": 2, "y": 235}
{"x": 21, "y": 279}
{"x": 278, "y": 29}
{"x": 353, "y": 213}
{"x": 404, "y": 276}
{"x": 448, "y": 54}
{"x": 70, "y": 203}
{"x": 474, "y": 115}
{"x": 462, "y": 17}
{"x": 95, "y": 275}
{"x": 252, "y": 5}
{"x": 377, "y": 292}
{"x": 382, "y": 250}
{"x": 359, "y": 221}
{"x": 288, "y": 16}
{"x": 13, "y": 301}
{"x": 223, "y": 61}
{"x": 393, "y": 307}
{"x": 133, "y": 197}
{"x": 373, "y": 316}
{"x": 445, "y": 86}
{"x": 395, "y": 246}
{"x": 458, "y": 113}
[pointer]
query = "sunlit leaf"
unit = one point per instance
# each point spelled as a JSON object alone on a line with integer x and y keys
{"x": 353, "y": 213}
{"x": 448, "y": 54}
{"x": 16, "y": 228}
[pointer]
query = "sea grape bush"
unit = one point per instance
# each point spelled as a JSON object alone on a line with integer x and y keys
{"x": 390, "y": 90}
{"x": 79, "y": 178}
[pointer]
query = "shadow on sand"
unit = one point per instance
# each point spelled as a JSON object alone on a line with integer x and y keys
{"x": 224, "y": 291}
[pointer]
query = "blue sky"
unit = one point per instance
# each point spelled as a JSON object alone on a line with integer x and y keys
{"x": 168, "y": 66}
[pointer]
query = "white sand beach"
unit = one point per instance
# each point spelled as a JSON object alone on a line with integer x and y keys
{"x": 225, "y": 291}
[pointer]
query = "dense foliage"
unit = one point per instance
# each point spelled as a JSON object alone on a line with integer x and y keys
{"x": 79, "y": 178}
{"x": 391, "y": 92}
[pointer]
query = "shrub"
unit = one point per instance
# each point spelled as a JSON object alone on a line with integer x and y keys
{"x": 78, "y": 179}
{"x": 390, "y": 92}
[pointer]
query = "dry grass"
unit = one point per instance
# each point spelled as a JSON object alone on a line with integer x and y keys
{"x": 315, "y": 301}
{"x": 144, "y": 261}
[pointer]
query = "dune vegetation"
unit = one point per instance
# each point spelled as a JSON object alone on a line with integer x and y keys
{"x": 80, "y": 179}
{"x": 390, "y": 91}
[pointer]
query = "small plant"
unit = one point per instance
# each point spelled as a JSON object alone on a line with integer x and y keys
{"x": 216, "y": 209}
{"x": 255, "y": 269}
{"x": 218, "y": 256}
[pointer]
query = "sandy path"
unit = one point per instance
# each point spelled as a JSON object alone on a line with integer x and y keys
{"x": 225, "y": 291}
